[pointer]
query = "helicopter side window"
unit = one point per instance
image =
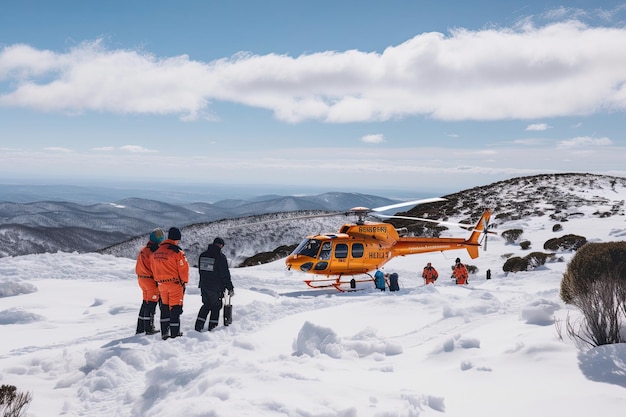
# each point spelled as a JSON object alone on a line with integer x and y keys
{"x": 325, "y": 253}
{"x": 310, "y": 248}
{"x": 357, "y": 250}
{"x": 341, "y": 250}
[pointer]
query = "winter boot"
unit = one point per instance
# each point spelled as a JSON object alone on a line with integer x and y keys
{"x": 214, "y": 318}
{"x": 200, "y": 324}
{"x": 201, "y": 320}
{"x": 150, "y": 324}
{"x": 141, "y": 324}
{"x": 175, "y": 313}
{"x": 165, "y": 321}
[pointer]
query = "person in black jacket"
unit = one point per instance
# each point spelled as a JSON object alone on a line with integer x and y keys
{"x": 214, "y": 280}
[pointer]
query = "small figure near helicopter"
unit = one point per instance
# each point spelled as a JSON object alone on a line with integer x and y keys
{"x": 430, "y": 274}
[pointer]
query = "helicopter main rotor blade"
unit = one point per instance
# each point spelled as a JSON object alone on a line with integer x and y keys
{"x": 409, "y": 203}
{"x": 310, "y": 216}
{"x": 361, "y": 211}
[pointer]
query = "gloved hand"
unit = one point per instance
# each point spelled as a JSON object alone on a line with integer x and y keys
{"x": 231, "y": 292}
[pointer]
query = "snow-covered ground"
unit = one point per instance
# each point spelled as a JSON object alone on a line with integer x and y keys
{"x": 493, "y": 348}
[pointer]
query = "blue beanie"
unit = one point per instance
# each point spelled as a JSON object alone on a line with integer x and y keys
{"x": 157, "y": 235}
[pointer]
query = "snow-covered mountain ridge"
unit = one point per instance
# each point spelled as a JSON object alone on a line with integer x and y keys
{"x": 51, "y": 226}
{"x": 558, "y": 195}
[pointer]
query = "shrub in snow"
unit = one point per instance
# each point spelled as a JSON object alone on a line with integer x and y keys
{"x": 12, "y": 402}
{"x": 536, "y": 259}
{"x": 528, "y": 262}
{"x": 265, "y": 257}
{"x": 525, "y": 244}
{"x": 557, "y": 227}
{"x": 515, "y": 264}
{"x": 595, "y": 282}
{"x": 564, "y": 243}
{"x": 511, "y": 236}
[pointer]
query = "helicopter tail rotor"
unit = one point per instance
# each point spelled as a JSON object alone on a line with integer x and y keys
{"x": 481, "y": 232}
{"x": 486, "y": 233}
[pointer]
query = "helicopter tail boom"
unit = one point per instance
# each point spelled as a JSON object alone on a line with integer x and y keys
{"x": 415, "y": 245}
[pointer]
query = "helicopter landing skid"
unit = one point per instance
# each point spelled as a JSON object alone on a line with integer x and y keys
{"x": 338, "y": 284}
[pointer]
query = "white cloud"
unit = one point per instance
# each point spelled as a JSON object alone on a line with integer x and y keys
{"x": 57, "y": 149}
{"x": 530, "y": 141}
{"x": 135, "y": 149}
{"x": 538, "y": 127}
{"x": 584, "y": 141}
{"x": 561, "y": 69}
{"x": 125, "y": 148}
{"x": 377, "y": 138}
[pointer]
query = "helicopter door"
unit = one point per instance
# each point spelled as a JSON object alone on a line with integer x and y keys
{"x": 324, "y": 257}
{"x": 352, "y": 254}
{"x": 356, "y": 258}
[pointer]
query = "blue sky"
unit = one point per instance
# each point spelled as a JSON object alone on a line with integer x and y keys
{"x": 364, "y": 95}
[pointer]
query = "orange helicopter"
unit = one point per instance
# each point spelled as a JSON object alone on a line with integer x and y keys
{"x": 361, "y": 247}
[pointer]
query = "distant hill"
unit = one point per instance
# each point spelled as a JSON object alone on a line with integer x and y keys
{"x": 517, "y": 198}
{"x": 51, "y": 226}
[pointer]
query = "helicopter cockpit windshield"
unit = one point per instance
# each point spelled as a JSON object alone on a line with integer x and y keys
{"x": 308, "y": 247}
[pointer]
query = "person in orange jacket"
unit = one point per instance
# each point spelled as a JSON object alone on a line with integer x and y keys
{"x": 459, "y": 272}
{"x": 171, "y": 270}
{"x": 429, "y": 274}
{"x": 149, "y": 288}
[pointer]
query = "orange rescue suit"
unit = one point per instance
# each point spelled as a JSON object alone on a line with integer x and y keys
{"x": 460, "y": 273}
{"x": 171, "y": 270}
{"x": 430, "y": 275}
{"x": 143, "y": 269}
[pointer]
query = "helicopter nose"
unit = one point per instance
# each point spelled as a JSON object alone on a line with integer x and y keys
{"x": 289, "y": 262}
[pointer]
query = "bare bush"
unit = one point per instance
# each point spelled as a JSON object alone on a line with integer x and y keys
{"x": 12, "y": 402}
{"x": 595, "y": 282}
{"x": 515, "y": 264}
{"x": 511, "y": 236}
{"x": 528, "y": 262}
{"x": 565, "y": 243}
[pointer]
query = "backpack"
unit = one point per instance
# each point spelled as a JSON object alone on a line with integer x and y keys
{"x": 379, "y": 280}
{"x": 393, "y": 282}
